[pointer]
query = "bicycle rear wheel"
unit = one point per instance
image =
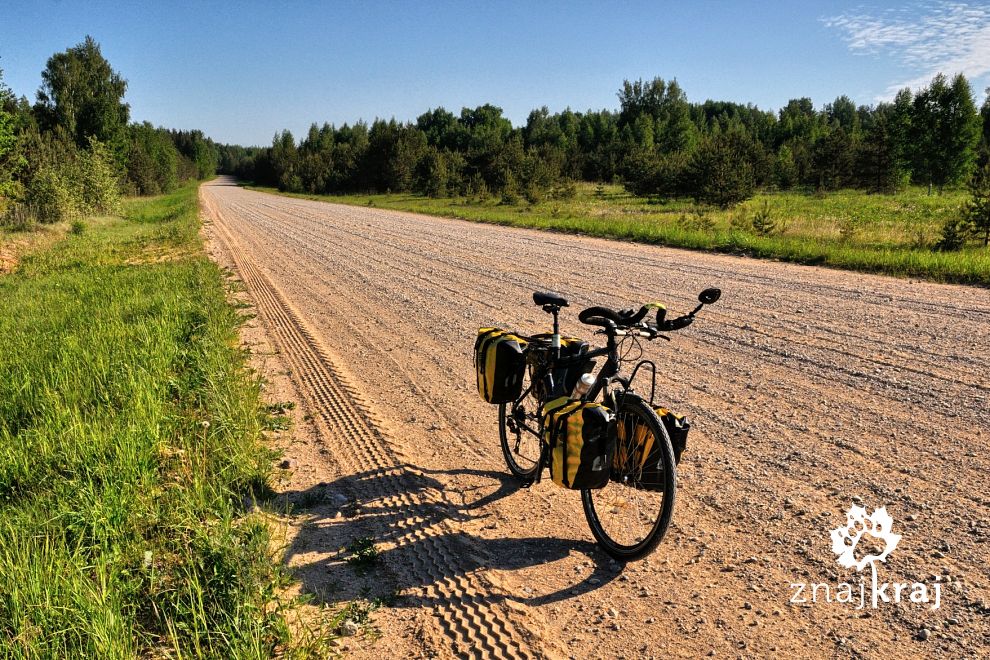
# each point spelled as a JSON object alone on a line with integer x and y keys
{"x": 629, "y": 517}
{"x": 518, "y": 429}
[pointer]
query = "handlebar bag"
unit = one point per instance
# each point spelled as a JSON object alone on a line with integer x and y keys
{"x": 637, "y": 461}
{"x": 500, "y": 363}
{"x": 581, "y": 439}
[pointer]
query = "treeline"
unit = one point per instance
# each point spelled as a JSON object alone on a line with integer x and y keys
{"x": 74, "y": 151}
{"x": 657, "y": 143}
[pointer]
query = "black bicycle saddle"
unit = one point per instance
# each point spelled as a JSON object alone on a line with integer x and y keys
{"x": 549, "y": 298}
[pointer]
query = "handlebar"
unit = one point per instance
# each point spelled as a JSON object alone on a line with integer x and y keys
{"x": 616, "y": 322}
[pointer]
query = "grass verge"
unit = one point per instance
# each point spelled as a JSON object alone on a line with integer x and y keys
{"x": 130, "y": 434}
{"x": 852, "y": 230}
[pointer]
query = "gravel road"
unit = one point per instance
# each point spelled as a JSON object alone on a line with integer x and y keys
{"x": 809, "y": 389}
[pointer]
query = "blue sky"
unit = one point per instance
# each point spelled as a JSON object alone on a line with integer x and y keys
{"x": 241, "y": 71}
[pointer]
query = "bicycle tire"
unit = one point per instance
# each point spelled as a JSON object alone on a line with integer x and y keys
{"x": 522, "y": 463}
{"x": 604, "y": 499}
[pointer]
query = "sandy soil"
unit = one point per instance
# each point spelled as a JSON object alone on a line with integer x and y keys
{"x": 808, "y": 389}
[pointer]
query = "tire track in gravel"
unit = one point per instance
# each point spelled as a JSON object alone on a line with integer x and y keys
{"x": 484, "y": 629}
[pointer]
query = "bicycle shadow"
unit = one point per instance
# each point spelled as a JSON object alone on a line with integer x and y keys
{"x": 405, "y": 510}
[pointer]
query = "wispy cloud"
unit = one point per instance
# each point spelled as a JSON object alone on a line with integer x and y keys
{"x": 941, "y": 37}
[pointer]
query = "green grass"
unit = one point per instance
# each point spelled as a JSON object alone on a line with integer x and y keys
{"x": 130, "y": 432}
{"x": 891, "y": 234}
{"x": 364, "y": 555}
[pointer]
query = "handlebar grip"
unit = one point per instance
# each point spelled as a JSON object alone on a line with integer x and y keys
{"x": 677, "y": 324}
{"x": 598, "y": 316}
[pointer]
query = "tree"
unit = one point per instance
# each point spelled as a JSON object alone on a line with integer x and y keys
{"x": 985, "y": 118}
{"x": 99, "y": 188}
{"x": 785, "y": 171}
{"x": 285, "y": 162}
{"x": 842, "y": 112}
{"x": 10, "y": 156}
{"x": 83, "y": 95}
{"x": 720, "y": 172}
{"x": 152, "y": 160}
{"x": 977, "y": 210}
{"x": 431, "y": 173}
{"x": 882, "y": 163}
{"x": 796, "y": 122}
{"x": 441, "y": 129}
{"x": 659, "y": 115}
{"x": 945, "y": 130}
{"x": 832, "y": 159}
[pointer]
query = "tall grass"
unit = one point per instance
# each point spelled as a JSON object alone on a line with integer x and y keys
{"x": 892, "y": 234}
{"x": 129, "y": 434}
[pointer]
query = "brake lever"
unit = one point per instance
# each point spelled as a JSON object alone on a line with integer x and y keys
{"x": 655, "y": 332}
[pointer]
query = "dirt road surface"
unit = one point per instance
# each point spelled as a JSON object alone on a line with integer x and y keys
{"x": 810, "y": 389}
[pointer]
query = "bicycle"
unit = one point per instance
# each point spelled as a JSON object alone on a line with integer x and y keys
{"x": 629, "y": 516}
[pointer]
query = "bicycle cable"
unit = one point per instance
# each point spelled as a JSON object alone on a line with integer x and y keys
{"x": 625, "y": 351}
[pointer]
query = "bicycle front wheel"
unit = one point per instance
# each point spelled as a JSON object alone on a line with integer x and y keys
{"x": 630, "y": 515}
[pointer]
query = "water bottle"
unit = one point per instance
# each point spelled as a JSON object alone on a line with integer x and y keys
{"x": 582, "y": 386}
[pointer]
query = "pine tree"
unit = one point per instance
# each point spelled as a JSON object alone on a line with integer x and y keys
{"x": 720, "y": 172}
{"x": 977, "y": 210}
{"x": 945, "y": 131}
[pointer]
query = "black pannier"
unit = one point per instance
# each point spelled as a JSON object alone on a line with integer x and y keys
{"x": 677, "y": 428}
{"x": 637, "y": 460}
{"x": 500, "y": 363}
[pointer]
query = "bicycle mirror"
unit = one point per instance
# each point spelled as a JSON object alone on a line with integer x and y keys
{"x": 709, "y": 296}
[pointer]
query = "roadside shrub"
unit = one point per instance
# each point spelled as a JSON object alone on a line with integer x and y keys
{"x": 533, "y": 194}
{"x": 86, "y": 185}
{"x": 849, "y": 227}
{"x": 647, "y": 174}
{"x": 51, "y": 197}
{"x": 976, "y": 212}
{"x": 477, "y": 188}
{"x": 563, "y": 190}
{"x": 698, "y": 220}
{"x": 919, "y": 238}
{"x": 955, "y": 231}
{"x": 509, "y": 197}
{"x": 78, "y": 227}
{"x": 98, "y": 181}
{"x": 720, "y": 173}
{"x": 741, "y": 220}
{"x": 763, "y": 222}
{"x": 510, "y": 192}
